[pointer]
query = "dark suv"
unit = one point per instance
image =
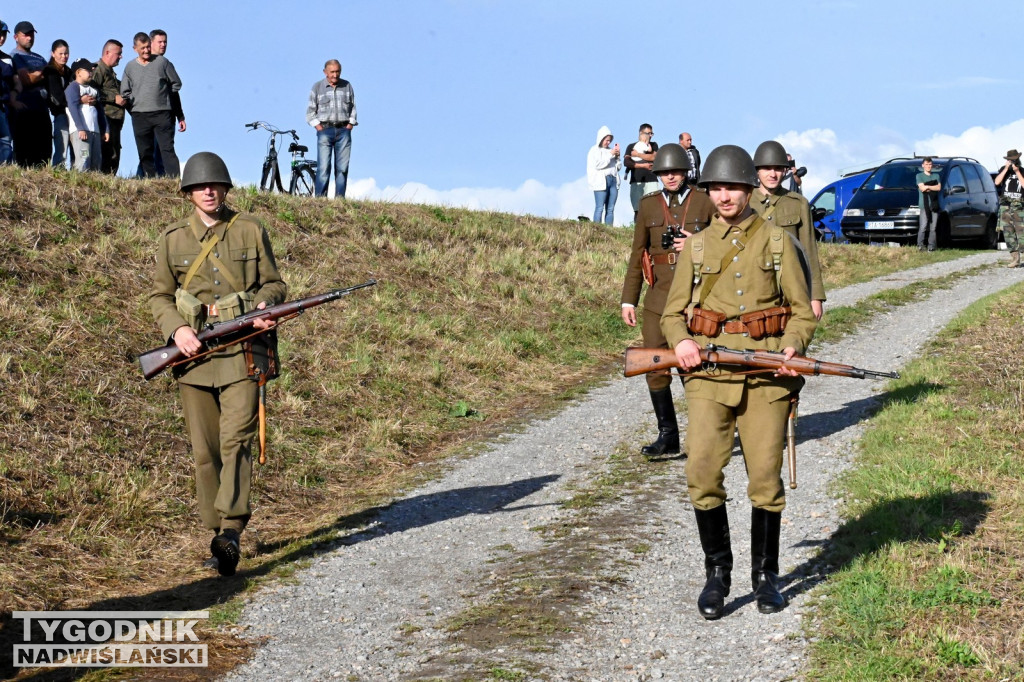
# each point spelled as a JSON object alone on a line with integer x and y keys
{"x": 885, "y": 207}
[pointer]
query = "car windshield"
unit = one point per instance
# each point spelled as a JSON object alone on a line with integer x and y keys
{"x": 902, "y": 176}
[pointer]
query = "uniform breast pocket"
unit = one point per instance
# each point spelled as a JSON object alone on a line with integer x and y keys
{"x": 789, "y": 221}
{"x": 181, "y": 262}
{"x": 244, "y": 260}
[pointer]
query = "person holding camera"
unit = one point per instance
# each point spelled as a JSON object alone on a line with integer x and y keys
{"x": 639, "y": 157}
{"x": 794, "y": 177}
{"x": 1010, "y": 184}
{"x": 928, "y": 186}
{"x": 665, "y": 219}
{"x": 789, "y": 210}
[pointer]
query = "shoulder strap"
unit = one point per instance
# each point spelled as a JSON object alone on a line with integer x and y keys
{"x": 737, "y": 246}
{"x": 205, "y": 253}
{"x": 776, "y": 242}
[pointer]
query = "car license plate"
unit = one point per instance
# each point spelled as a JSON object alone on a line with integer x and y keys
{"x": 880, "y": 225}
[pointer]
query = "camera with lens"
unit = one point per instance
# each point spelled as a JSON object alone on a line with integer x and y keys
{"x": 672, "y": 233}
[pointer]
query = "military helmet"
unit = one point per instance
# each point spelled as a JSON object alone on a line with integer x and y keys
{"x": 205, "y": 168}
{"x": 671, "y": 157}
{"x": 729, "y": 163}
{"x": 770, "y": 153}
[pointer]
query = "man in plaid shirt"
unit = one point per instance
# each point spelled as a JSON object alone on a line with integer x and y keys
{"x": 332, "y": 111}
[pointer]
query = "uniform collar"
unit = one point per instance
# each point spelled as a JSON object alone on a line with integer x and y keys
{"x": 723, "y": 230}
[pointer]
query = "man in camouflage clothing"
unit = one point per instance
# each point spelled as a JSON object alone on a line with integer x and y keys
{"x": 1010, "y": 184}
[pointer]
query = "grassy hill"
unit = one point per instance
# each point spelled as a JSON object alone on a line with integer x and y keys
{"x": 477, "y": 318}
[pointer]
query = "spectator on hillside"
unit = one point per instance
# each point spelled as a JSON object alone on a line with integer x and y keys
{"x": 639, "y": 157}
{"x": 693, "y": 154}
{"x": 86, "y": 123}
{"x": 603, "y": 175}
{"x": 7, "y": 83}
{"x": 158, "y": 47}
{"x": 332, "y": 111}
{"x": 1010, "y": 186}
{"x": 109, "y": 86}
{"x": 928, "y": 186}
{"x": 793, "y": 180}
{"x": 58, "y": 78}
{"x": 147, "y": 84}
{"x": 30, "y": 119}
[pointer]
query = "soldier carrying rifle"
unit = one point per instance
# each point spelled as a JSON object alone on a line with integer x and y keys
{"x": 743, "y": 286}
{"x": 216, "y": 265}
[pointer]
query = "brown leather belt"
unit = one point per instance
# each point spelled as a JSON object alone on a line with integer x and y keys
{"x": 665, "y": 258}
{"x": 734, "y": 327}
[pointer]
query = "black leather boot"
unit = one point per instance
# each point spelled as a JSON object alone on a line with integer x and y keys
{"x": 764, "y": 554}
{"x": 668, "y": 428}
{"x": 226, "y": 549}
{"x": 713, "y": 526}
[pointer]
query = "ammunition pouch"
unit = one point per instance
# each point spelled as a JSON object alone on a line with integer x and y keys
{"x": 768, "y": 322}
{"x": 190, "y": 308}
{"x": 704, "y": 322}
{"x": 235, "y": 304}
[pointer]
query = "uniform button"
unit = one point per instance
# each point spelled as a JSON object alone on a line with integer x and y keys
{"x": 739, "y": 292}
{"x": 185, "y": 262}
{"x": 735, "y": 259}
{"x": 216, "y": 255}
{"x": 742, "y": 308}
{"x": 216, "y": 296}
{"x": 738, "y": 275}
{"x": 671, "y": 267}
{"x": 746, "y": 334}
{"x": 216, "y": 282}
{"x": 216, "y": 269}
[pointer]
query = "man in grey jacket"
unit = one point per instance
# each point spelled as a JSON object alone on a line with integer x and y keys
{"x": 332, "y": 111}
{"x": 147, "y": 85}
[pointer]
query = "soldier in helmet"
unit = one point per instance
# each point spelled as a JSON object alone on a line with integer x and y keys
{"x": 748, "y": 290}
{"x": 665, "y": 219}
{"x": 787, "y": 209}
{"x": 212, "y": 266}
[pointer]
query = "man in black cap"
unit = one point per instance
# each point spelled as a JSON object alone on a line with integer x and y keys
{"x": 30, "y": 122}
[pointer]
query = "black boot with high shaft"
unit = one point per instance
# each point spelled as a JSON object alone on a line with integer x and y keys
{"x": 668, "y": 428}
{"x": 713, "y": 526}
{"x": 764, "y": 554}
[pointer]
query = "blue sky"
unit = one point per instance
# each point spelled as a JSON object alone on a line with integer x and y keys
{"x": 494, "y": 103}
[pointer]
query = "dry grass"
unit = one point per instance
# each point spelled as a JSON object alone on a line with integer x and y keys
{"x": 478, "y": 319}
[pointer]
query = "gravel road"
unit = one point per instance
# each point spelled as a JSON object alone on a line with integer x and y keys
{"x": 377, "y": 606}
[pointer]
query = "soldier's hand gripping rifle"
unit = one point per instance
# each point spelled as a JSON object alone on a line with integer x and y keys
{"x": 643, "y": 360}
{"x": 217, "y": 337}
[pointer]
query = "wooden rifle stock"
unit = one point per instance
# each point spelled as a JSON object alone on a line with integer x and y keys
{"x": 215, "y": 337}
{"x": 643, "y": 360}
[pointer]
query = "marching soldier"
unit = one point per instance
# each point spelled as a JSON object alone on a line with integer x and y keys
{"x": 663, "y": 223}
{"x": 789, "y": 210}
{"x": 748, "y": 290}
{"x": 213, "y": 266}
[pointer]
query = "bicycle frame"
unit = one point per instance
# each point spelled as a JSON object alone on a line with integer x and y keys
{"x": 303, "y": 169}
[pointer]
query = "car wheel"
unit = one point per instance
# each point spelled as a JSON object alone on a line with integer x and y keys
{"x": 990, "y": 239}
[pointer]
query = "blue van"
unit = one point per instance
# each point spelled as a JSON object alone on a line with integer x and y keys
{"x": 828, "y": 204}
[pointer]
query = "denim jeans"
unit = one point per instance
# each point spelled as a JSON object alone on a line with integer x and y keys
{"x": 604, "y": 200}
{"x": 61, "y": 141}
{"x": 338, "y": 141}
{"x": 6, "y": 143}
{"x": 927, "y": 222}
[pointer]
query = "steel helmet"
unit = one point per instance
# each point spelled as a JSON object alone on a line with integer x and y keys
{"x": 205, "y": 168}
{"x": 671, "y": 157}
{"x": 729, "y": 163}
{"x": 770, "y": 153}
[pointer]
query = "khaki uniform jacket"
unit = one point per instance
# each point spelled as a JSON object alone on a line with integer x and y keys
{"x": 792, "y": 212}
{"x": 650, "y": 225}
{"x": 747, "y": 284}
{"x": 244, "y": 250}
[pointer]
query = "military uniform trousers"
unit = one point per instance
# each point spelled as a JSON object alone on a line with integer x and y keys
{"x": 222, "y": 422}
{"x": 655, "y": 338}
{"x": 762, "y": 428}
{"x": 1011, "y": 222}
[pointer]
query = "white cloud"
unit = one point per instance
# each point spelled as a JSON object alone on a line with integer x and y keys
{"x": 821, "y": 150}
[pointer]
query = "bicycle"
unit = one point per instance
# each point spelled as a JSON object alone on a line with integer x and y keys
{"x": 302, "y": 182}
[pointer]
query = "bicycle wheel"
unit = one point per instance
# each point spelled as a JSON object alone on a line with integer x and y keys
{"x": 303, "y": 183}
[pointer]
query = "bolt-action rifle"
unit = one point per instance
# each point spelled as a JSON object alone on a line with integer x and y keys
{"x": 218, "y": 336}
{"x": 643, "y": 360}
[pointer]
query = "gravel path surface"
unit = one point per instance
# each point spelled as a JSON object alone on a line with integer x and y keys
{"x": 376, "y": 606}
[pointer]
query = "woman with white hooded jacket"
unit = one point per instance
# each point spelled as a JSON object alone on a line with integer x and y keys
{"x": 603, "y": 166}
